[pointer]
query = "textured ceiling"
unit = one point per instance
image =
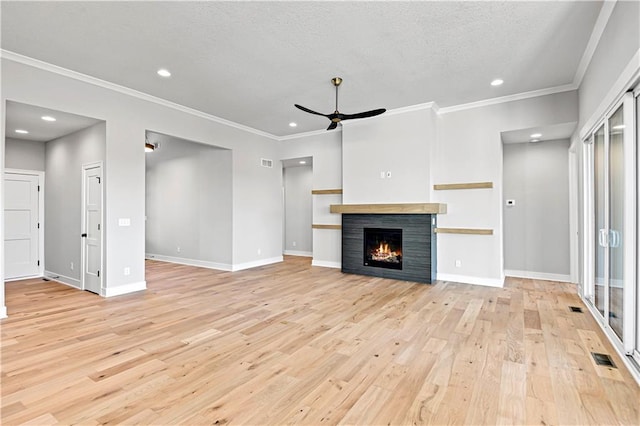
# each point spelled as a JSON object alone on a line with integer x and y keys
{"x": 249, "y": 62}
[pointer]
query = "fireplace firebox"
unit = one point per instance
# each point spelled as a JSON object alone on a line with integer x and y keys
{"x": 383, "y": 248}
{"x": 397, "y": 246}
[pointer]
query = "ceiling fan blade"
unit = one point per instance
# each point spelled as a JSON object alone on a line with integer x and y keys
{"x": 366, "y": 114}
{"x": 332, "y": 126}
{"x": 309, "y": 110}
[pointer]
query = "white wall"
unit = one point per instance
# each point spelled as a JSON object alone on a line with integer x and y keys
{"x": 326, "y": 150}
{"x": 469, "y": 149}
{"x": 396, "y": 143}
{"x": 257, "y": 207}
{"x": 64, "y": 158}
{"x": 298, "y": 210}
{"x": 536, "y": 228}
{"x": 24, "y": 155}
{"x": 188, "y": 203}
{"x": 614, "y": 61}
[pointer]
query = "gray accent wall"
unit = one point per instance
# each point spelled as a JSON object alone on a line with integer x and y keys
{"x": 64, "y": 158}
{"x": 24, "y": 154}
{"x": 298, "y": 212}
{"x": 536, "y": 228}
{"x": 189, "y": 204}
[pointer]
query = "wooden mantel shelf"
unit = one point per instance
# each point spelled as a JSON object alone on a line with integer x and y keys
{"x": 414, "y": 208}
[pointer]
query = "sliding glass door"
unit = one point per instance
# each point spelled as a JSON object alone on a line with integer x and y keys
{"x": 613, "y": 194}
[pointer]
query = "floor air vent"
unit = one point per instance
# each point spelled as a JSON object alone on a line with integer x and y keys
{"x": 603, "y": 359}
{"x": 575, "y": 309}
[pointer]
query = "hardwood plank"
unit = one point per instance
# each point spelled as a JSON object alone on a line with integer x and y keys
{"x": 292, "y": 344}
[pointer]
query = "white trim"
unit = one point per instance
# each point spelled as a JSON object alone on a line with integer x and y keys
{"x": 124, "y": 289}
{"x": 256, "y": 263}
{"x": 538, "y": 275}
{"x": 26, "y": 60}
{"x": 596, "y": 34}
{"x": 71, "y": 282}
{"x": 613, "y": 339}
{"x": 298, "y": 253}
{"x": 189, "y": 262}
{"x": 326, "y": 264}
{"x": 28, "y": 277}
{"x": 573, "y": 213}
{"x": 509, "y": 98}
{"x": 306, "y": 134}
{"x": 625, "y": 81}
{"x": 3, "y": 312}
{"x": 41, "y": 221}
{"x": 410, "y": 108}
{"x": 464, "y": 279}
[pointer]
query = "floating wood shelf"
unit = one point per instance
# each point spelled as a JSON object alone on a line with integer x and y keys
{"x": 473, "y": 185}
{"x": 326, "y": 191}
{"x": 467, "y": 231}
{"x": 415, "y": 208}
{"x": 316, "y": 226}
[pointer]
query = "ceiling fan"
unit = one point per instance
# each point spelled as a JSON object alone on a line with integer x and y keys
{"x": 337, "y": 116}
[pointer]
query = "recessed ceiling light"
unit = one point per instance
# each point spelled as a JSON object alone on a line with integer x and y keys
{"x": 22, "y": 132}
{"x": 618, "y": 127}
{"x": 48, "y": 118}
{"x": 303, "y": 162}
{"x": 164, "y": 73}
{"x": 536, "y": 135}
{"x": 535, "y": 140}
{"x": 497, "y": 82}
{"x": 292, "y": 124}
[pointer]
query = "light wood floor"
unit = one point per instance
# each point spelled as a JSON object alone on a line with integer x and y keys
{"x": 295, "y": 344}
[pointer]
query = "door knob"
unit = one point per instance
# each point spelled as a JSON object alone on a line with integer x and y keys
{"x": 84, "y": 235}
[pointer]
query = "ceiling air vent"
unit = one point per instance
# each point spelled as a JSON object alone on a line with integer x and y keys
{"x": 266, "y": 162}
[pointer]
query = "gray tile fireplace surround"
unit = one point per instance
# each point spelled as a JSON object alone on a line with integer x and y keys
{"x": 418, "y": 245}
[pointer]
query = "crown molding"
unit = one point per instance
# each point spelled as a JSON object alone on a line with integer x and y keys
{"x": 36, "y": 63}
{"x": 509, "y": 98}
{"x": 417, "y": 107}
{"x": 594, "y": 40}
{"x": 306, "y": 134}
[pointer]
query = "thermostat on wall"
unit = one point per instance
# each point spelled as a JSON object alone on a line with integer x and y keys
{"x": 511, "y": 203}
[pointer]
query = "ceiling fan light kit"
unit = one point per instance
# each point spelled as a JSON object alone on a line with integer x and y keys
{"x": 336, "y": 117}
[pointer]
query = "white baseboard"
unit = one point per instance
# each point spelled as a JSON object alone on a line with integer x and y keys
{"x": 124, "y": 289}
{"x": 465, "y": 279}
{"x": 71, "y": 282}
{"x": 326, "y": 264}
{"x": 29, "y": 277}
{"x": 190, "y": 262}
{"x": 3, "y": 312}
{"x": 256, "y": 263}
{"x": 538, "y": 275}
{"x": 298, "y": 253}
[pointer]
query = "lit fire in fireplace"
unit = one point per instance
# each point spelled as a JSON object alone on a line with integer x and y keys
{"x": 384, "y": 253}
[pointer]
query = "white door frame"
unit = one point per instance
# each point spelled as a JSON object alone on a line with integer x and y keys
{"x": 83, "y": 259}
{"x": 573, "y": 214}
{"x": 40, "y": 175}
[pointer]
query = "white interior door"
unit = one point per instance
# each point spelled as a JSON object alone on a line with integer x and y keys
{"x": 92, "y": 228}
{"x": 21, "y": 213}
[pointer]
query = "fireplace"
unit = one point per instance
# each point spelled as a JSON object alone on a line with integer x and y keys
{"x": 397, "y": 246}
{"x": 383, "y": 248}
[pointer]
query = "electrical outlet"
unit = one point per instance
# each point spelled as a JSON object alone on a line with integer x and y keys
{"x": 71, "y": 266}
{"x": 127, "y": 271}
{"x": 294, "y": 243}
{"x": 458, "y": 263}
{"x": 178, "y": 249}
{"x": 259, "y": 252}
